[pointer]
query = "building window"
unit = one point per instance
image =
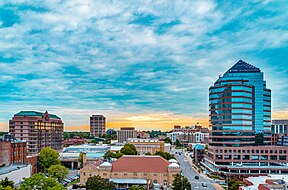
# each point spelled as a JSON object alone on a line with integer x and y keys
{"x": 154, "y": 181}
{"x": 115, "y": 173}
{"x": 104, "y": 174}
{"x": 125, "y": 174}
{"x": 154, "y": 174}
{"x": 84, "y": 173}
{"x": 135, "y": 174}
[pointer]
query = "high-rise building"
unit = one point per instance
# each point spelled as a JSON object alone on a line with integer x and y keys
{"x": 240, "y": 108}
{"x": 126, "y": 132}
{"x": 38, "y": 129}
{"x": 97, "y": 125}
{"x": 240, "y": 119}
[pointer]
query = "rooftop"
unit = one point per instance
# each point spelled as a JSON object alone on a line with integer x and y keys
{"x": 140, "y": 164}
{"x": 10, "y": 168}
{"x": 243, "y": 67}
{"x": 35, "y": 114}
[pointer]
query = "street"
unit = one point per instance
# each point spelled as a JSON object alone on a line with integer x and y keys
{"x": 189, "y": 172}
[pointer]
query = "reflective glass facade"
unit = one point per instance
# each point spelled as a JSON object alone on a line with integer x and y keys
{"x": 240, "y": 107}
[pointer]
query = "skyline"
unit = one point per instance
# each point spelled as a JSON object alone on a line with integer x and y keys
{"x": 144, "y": 65}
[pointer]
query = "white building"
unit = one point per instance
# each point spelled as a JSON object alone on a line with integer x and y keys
{"x": 16, "y": 172}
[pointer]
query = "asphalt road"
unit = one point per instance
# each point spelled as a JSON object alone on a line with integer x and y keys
{"x": 189, "y": 172}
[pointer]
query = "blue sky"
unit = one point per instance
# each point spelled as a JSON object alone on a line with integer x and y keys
{"x": 134, "y": 60}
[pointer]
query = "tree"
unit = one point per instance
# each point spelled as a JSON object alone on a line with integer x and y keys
{"x": 40, "y": 182}
{"x": 137, "y": 187}
{"x": 80, "y": 159}
{"x": 96, "y": 182}
{"x": 181, "y": 182}
{"x": 167, "y": 140}
{"x": 109, "y": 154}
{"x": 177, "y": 143}
{"x": 234, "y": 184}
{"x": 59, "y": 172}
{"x": 48, "y": 157}
{"x": 148, "y": 153}
{"x": 129, "y": 149}
{"x": 6, "y": 182}
{"x": 164, "y": 155}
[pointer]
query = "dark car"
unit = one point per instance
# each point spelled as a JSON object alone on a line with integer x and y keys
{"x": 204, "y": 185}
{"x": 75, "y": 186}
{"x": 196, "y": 177}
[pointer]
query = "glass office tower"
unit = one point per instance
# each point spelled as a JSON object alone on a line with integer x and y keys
{"x": 240, "y": 108}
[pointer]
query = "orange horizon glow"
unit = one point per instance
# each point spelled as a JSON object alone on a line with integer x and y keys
{"x": 164, "y": 122}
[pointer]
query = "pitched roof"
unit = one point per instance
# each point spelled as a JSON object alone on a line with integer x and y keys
{"x": 243, "y": 67}
{"x": 129, "y": 163}
{"x": 35, "y": 113}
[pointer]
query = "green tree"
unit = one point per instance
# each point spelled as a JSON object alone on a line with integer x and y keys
{"x": 6, "y": 182}
{"x": 48, "y": 157}
{"x": 80, "y": 159}
{"x": 129, "y": 149}
{"x": 148, "y": 153}
{"x": 59, "y": 172}
{"x": 119, "y": 155}
{"x": 181, "y": 182}
{"x": 164, "y": 155}
{"x": 234, "y": 184}
{"x": 96, "y": 182}
{"x": 109, "y": 154}
{"x": 177, "y": 143}
{"x": 167, "y": 140}
{"x": 137, "y": 187}
{"x": 40, "y": 182}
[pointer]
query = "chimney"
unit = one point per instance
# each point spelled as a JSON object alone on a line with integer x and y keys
{"x": 84, "y": 158}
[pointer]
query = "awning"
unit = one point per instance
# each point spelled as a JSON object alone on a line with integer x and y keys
{"x": 129, "y": 181}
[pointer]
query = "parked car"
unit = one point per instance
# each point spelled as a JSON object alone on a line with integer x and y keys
{"x": 204, "y": 185}
{"x": 196, "y": 177}
{"x": 75, "y": 186}
{"x": 222, "y": 183}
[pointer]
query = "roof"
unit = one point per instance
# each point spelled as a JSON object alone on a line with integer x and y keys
{"x": 243, "y": 67}
{"x": 128, "y": 163}
{"x": 36, "y": 114}
{"x": 129, "y": 181}
{"x": 198, "y": 147}
{"x": 10, "y": 168}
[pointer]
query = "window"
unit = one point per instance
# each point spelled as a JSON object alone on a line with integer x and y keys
{"x": 115, "y": 173}
{"x": 154, "y": 181}
{"x": 84, "y": 173}
{"x": 154, "y": 174}
{"x": 125, "y": 174}
{"x": 104, "y": 174}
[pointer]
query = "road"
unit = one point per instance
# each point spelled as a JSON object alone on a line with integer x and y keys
{"x": 189, "y": 172}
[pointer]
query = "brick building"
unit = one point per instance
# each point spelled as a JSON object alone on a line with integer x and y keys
{"x": 148, "y": 169}
{"x": 39, "y": 130}
{"x": 13, "y": 151}
{"x": 97, "y": 125}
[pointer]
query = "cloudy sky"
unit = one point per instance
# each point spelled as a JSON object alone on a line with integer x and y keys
{"x": 147, "y": 64}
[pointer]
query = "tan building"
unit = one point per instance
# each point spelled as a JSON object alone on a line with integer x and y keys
{"x": 130, "y": 169}
{"x": 97, "y": 125}
{"x": 38, "y": 129}
{"x": 144, "y": 146}
{"x": 125, "y": 133}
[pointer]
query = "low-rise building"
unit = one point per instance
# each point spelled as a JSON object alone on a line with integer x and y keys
{"x": 151, "y": 146}
{"x": 76, "y": 140}
{"x": 16, "y": 172}
{"x": 125, "y": 133}
{"x": 269, "y": 182}
{"x": 128, "y": 170}
{"x": 13, "y": 151}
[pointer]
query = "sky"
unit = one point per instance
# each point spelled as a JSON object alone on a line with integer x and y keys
{"x": 146, "y": 64}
